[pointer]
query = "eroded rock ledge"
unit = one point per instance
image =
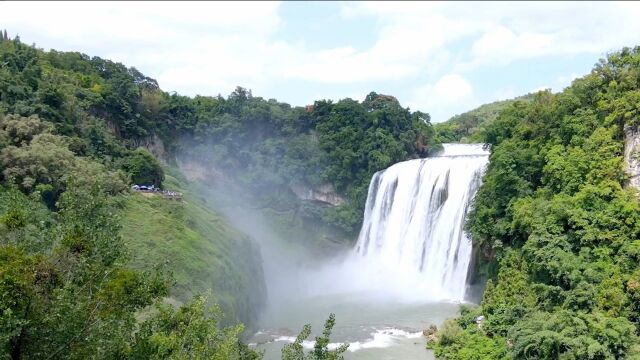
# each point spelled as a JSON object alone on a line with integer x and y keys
{"x": 632, "y": 155}
{"x": 324, "y": 193}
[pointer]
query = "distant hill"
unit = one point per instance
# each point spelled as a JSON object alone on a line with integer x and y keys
{"x": 467, "y": 127}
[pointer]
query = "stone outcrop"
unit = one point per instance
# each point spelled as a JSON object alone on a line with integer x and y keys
{"x": 324, "y": 193}
{"x": 632, "y": 155}
{"x": 154, "y": 144}
{"x": 431, "y": 333}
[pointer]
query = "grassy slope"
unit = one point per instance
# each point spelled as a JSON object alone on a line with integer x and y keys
{"x": 201, "y": 249}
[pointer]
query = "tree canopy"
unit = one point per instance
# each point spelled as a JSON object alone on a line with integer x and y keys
{"x": 558, "y": 228}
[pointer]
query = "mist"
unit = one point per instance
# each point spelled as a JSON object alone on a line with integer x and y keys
{"x": 293, "y": 265}
{"x": 410, "y": 250}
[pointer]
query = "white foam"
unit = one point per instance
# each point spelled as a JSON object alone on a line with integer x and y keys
{"x": 381, "y": 338}
{"x": 464, "y": 150}
{"x": 285, "y": 338}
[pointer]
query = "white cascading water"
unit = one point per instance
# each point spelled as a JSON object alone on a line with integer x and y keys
{"x": 412, "y": 243}
{"x": 411, "y": 249}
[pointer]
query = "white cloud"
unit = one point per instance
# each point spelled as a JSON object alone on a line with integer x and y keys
{"x": 498, "y": 34}
{"x": 505, "y": 32}
{"x": 427, "y": 48}
{"x": 501, "y": 45}
{"x": 543, "y": 29}
{"x": 539, "y": 88}
{"x": 453, "y": 87}
{"x": 190, "y": 47}
{"x": 450, "y": 89}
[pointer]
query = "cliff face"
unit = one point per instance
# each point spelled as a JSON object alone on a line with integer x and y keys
{"x": 324, "y": 193}
{"x": 632, "y": 155}
{"x": 196, "y": 171}
{"x": 155, "y": 145}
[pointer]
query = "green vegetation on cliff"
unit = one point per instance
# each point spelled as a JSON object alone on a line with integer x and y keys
{"x": 267, "y": 147}
{"x": 562, "y": 231}
{"x": 67, "y": 120}
{"x": 107, "y": 110}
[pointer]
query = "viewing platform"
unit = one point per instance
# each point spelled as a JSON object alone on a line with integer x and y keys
{"x": 152, "y": 190}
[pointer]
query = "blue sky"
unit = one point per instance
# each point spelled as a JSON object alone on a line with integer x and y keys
{"x": 440, "y": 58}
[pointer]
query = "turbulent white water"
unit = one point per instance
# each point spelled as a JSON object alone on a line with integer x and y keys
{"x": 381, "y": 338}
{"x": 377, "y": 330}
{"x": 410, "y": 263}
{"x": 412, "y": 241}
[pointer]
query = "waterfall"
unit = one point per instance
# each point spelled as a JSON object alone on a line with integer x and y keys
{"x": 412, "y": 241}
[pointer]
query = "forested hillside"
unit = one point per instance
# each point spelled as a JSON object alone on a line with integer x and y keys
{"x": 557, "y": 228}
{"x": 71, "y": 286}
{"x": 267, "y": 147}
{"x": 85, "y": 263}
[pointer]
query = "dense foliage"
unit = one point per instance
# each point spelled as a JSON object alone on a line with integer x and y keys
{"x": 562, "y": 232}
{"x": 143, "y": 168}
{"x": 75, "y": 131}
{"x": 267, "y": 147}
{"x": 63, "y": 289}
{"x": 188, "y": 333}
{"x": 66, "y": 290}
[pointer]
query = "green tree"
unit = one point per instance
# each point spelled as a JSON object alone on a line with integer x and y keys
{"x": 74, "y": 299}
{"x": 320, "y": 351}
{"x": 143, "y": 168}
{"x": 189, "y": 333}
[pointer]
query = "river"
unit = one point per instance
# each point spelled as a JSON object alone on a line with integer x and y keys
{"x": 375, "y": 328}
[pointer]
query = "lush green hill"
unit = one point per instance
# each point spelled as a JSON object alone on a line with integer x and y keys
{"x": 67, "y": 120}
{"x": 266, "y": 146}
{"x": 557, "y": 229}
{"x": 469, "y": 127}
